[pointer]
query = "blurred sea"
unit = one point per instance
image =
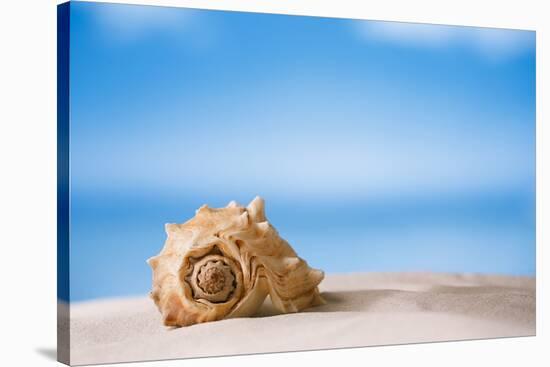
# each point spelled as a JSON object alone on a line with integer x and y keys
{"x": 113, "y": 235}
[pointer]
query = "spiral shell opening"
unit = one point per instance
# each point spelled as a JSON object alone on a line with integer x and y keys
{"x": 213, "y": 279}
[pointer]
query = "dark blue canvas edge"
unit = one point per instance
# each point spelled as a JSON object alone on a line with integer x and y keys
{"x": 63, "y": 191}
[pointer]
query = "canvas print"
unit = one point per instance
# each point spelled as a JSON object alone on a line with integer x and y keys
{"x": 234, "y": 183}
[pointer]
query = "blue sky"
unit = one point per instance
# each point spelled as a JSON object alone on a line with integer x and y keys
{"x": 414, "y": 126}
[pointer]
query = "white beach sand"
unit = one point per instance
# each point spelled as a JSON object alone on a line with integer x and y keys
{"x": 362, "y": 310}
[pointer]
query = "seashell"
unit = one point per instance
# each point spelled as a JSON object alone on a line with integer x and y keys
{"x": 224, "y": 262}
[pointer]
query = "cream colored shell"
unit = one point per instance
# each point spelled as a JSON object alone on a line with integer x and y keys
{"x": 224, "y": 262}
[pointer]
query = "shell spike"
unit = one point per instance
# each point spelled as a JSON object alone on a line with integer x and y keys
{"x": 232, "y": 204}
{"x": 256, "y": 210}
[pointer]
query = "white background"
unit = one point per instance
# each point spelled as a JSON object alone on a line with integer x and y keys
{"x": 28, "y": 181}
